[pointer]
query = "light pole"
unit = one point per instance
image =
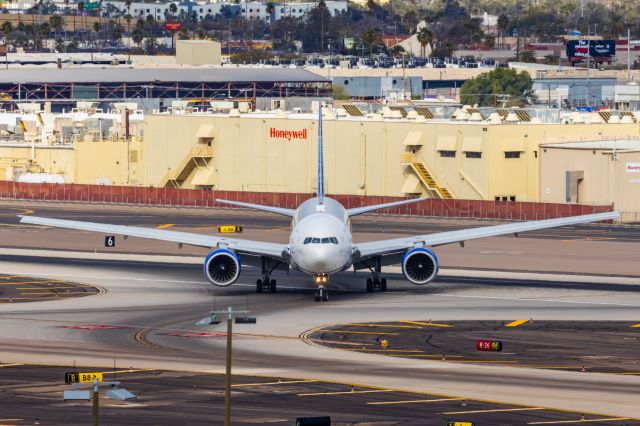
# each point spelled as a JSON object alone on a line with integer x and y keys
{"x": 213, "y": 319}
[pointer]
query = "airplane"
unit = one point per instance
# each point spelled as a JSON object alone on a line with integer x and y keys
{"x": 320, "y": 243}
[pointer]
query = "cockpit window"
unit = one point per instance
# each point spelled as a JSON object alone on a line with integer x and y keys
{"x": 326, "y": 240}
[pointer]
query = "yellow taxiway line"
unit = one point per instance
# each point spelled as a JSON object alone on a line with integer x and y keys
{"x": 497, "y": 410}
{"x": 426, "y": 324}
{"x": 558, "y": 422}
{"x": 347, "y": 392}
{"x": 283, "y": 382}
{"x": 381, "y": 325}
{"x": 635, "y": 326}
{"x": 355, "y": 332}
{"x": 166, "y": 225}
{"x": 414, "y": 401}
{"x": 516, "y": 323}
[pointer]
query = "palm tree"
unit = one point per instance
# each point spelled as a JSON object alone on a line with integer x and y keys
{"x": 56, "y": 22}
{"x": 528, "y": 56}
{"x": 6, "y": 29}
{"x": 425, "y": 38}
{"x": 371, "y": 37}
{"x": 503, "y": 24}
{"x": 81, "y": 10}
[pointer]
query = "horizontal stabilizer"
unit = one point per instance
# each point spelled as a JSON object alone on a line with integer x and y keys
{"x": 277, "y": 210}
{"x": 365, "y": 209}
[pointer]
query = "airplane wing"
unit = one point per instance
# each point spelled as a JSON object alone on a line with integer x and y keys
{"x": 257, "y": 248}
{"x": 277, "y": 210}
{"x": 382, "y": 247}
{"x": 365, "y": 209}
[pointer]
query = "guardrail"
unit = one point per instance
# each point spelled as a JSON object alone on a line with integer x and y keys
{"x": 136, "y": 195}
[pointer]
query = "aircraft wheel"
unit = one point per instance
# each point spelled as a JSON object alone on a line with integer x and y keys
{"x": 325, "y": 296}
{"x": 272, "y": 286}
{"x": 383, "y": 284}
{"x": 259, "y": 286}
{"x": 369, "y": 285}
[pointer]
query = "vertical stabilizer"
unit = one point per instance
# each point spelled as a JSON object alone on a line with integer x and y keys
{"x": 320, "y": 158}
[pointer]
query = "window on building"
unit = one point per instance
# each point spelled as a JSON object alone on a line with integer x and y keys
{"x": 282, "y": 10}
{"x": 250, "y": 10}
{"x": 148, "y": 10}
{"x": 512, "y": 154}
{"x": 473, "y": 154}
{"x": 449, "y": 154}
{"x": 512, "y": 198}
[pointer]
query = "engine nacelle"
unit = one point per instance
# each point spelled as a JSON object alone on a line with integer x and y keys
{"x": 222, "y": 267}
{"x": 420, "y": 265}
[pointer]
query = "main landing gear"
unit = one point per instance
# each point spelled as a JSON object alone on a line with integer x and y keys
{"x": 322, "y": 294}
{"x": 376, "y": 283}
{"x": 266, "y": 284}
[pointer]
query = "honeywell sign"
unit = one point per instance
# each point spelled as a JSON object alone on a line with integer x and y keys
{"x": 287, "y": 134}
{"x": 633, "y": 167}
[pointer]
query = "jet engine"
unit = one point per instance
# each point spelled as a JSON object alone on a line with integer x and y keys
{"x": 222, "y": 267}
{"x": 420, "y": 265}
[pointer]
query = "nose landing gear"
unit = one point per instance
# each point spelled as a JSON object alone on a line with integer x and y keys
{"x": 322, "y": 294}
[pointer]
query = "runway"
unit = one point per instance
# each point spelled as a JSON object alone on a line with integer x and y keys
{"x": 164, "y": 301}
{"x": 151, "y": 308}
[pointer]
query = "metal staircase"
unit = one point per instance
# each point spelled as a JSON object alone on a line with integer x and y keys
{"x": 198, "y": 157}
{"x": 426, "y": 177}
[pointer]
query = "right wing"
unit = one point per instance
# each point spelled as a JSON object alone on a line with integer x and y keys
{"x": 382, "y": 247}
{"x": 276, "y": 210}
{"x": 256, "y": 248}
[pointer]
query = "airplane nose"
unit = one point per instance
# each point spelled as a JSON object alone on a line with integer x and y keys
{"x": 319, "y": 259}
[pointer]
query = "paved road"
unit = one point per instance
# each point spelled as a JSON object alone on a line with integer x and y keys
{"x": 153, "y": 308}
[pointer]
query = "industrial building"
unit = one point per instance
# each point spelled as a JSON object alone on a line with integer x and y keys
{"x": 406, "y": 150}
{"x": 156, "y": 87}
{"x": 598, "y": 172}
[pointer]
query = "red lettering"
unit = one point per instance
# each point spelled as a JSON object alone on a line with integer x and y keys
{"x": 287, "y": 134}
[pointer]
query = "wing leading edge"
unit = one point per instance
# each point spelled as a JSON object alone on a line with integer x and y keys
{"x": 381, "y": 247}
{"x": 244, "y": 246}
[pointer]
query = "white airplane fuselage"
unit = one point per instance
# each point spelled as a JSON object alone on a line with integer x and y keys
{"x": 320, "y": 242}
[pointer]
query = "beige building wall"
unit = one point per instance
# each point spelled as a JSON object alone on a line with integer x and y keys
{"x": 54, "y": 160}
{"x": 198, "y": 52}
{"x": 607, "y": 179}
{"x": 115, "y": 163}
{"x": 361, "y": 156}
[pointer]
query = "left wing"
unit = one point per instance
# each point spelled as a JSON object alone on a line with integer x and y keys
{"x": 375, "y": 248}
{"x": 365, "y": 209}
{"x": 257, "y": 248}
{"x": 270, "y": 209}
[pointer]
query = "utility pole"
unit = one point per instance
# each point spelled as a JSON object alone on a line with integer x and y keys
{"x": 227, "y": 379}
{"x": 628, "y": 54}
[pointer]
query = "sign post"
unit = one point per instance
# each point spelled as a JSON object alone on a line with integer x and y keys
{"x": 96, "y": 401}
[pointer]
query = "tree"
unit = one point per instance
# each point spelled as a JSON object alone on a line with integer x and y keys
{"x": 371, "y": 37}
{"x": 173, "y": 9}
{"x": 6, "y": 29}
{"x": 137, "y": 35}
{"x": 183, "y": 34}
{"x": 485, "y": 89}
{"x": 425, "y": 38}
{"x": 56, "y": 22}
{"x": 503, "y": 24}
{"x": 340, "y": 93}
{"x": 528, "y": 56}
